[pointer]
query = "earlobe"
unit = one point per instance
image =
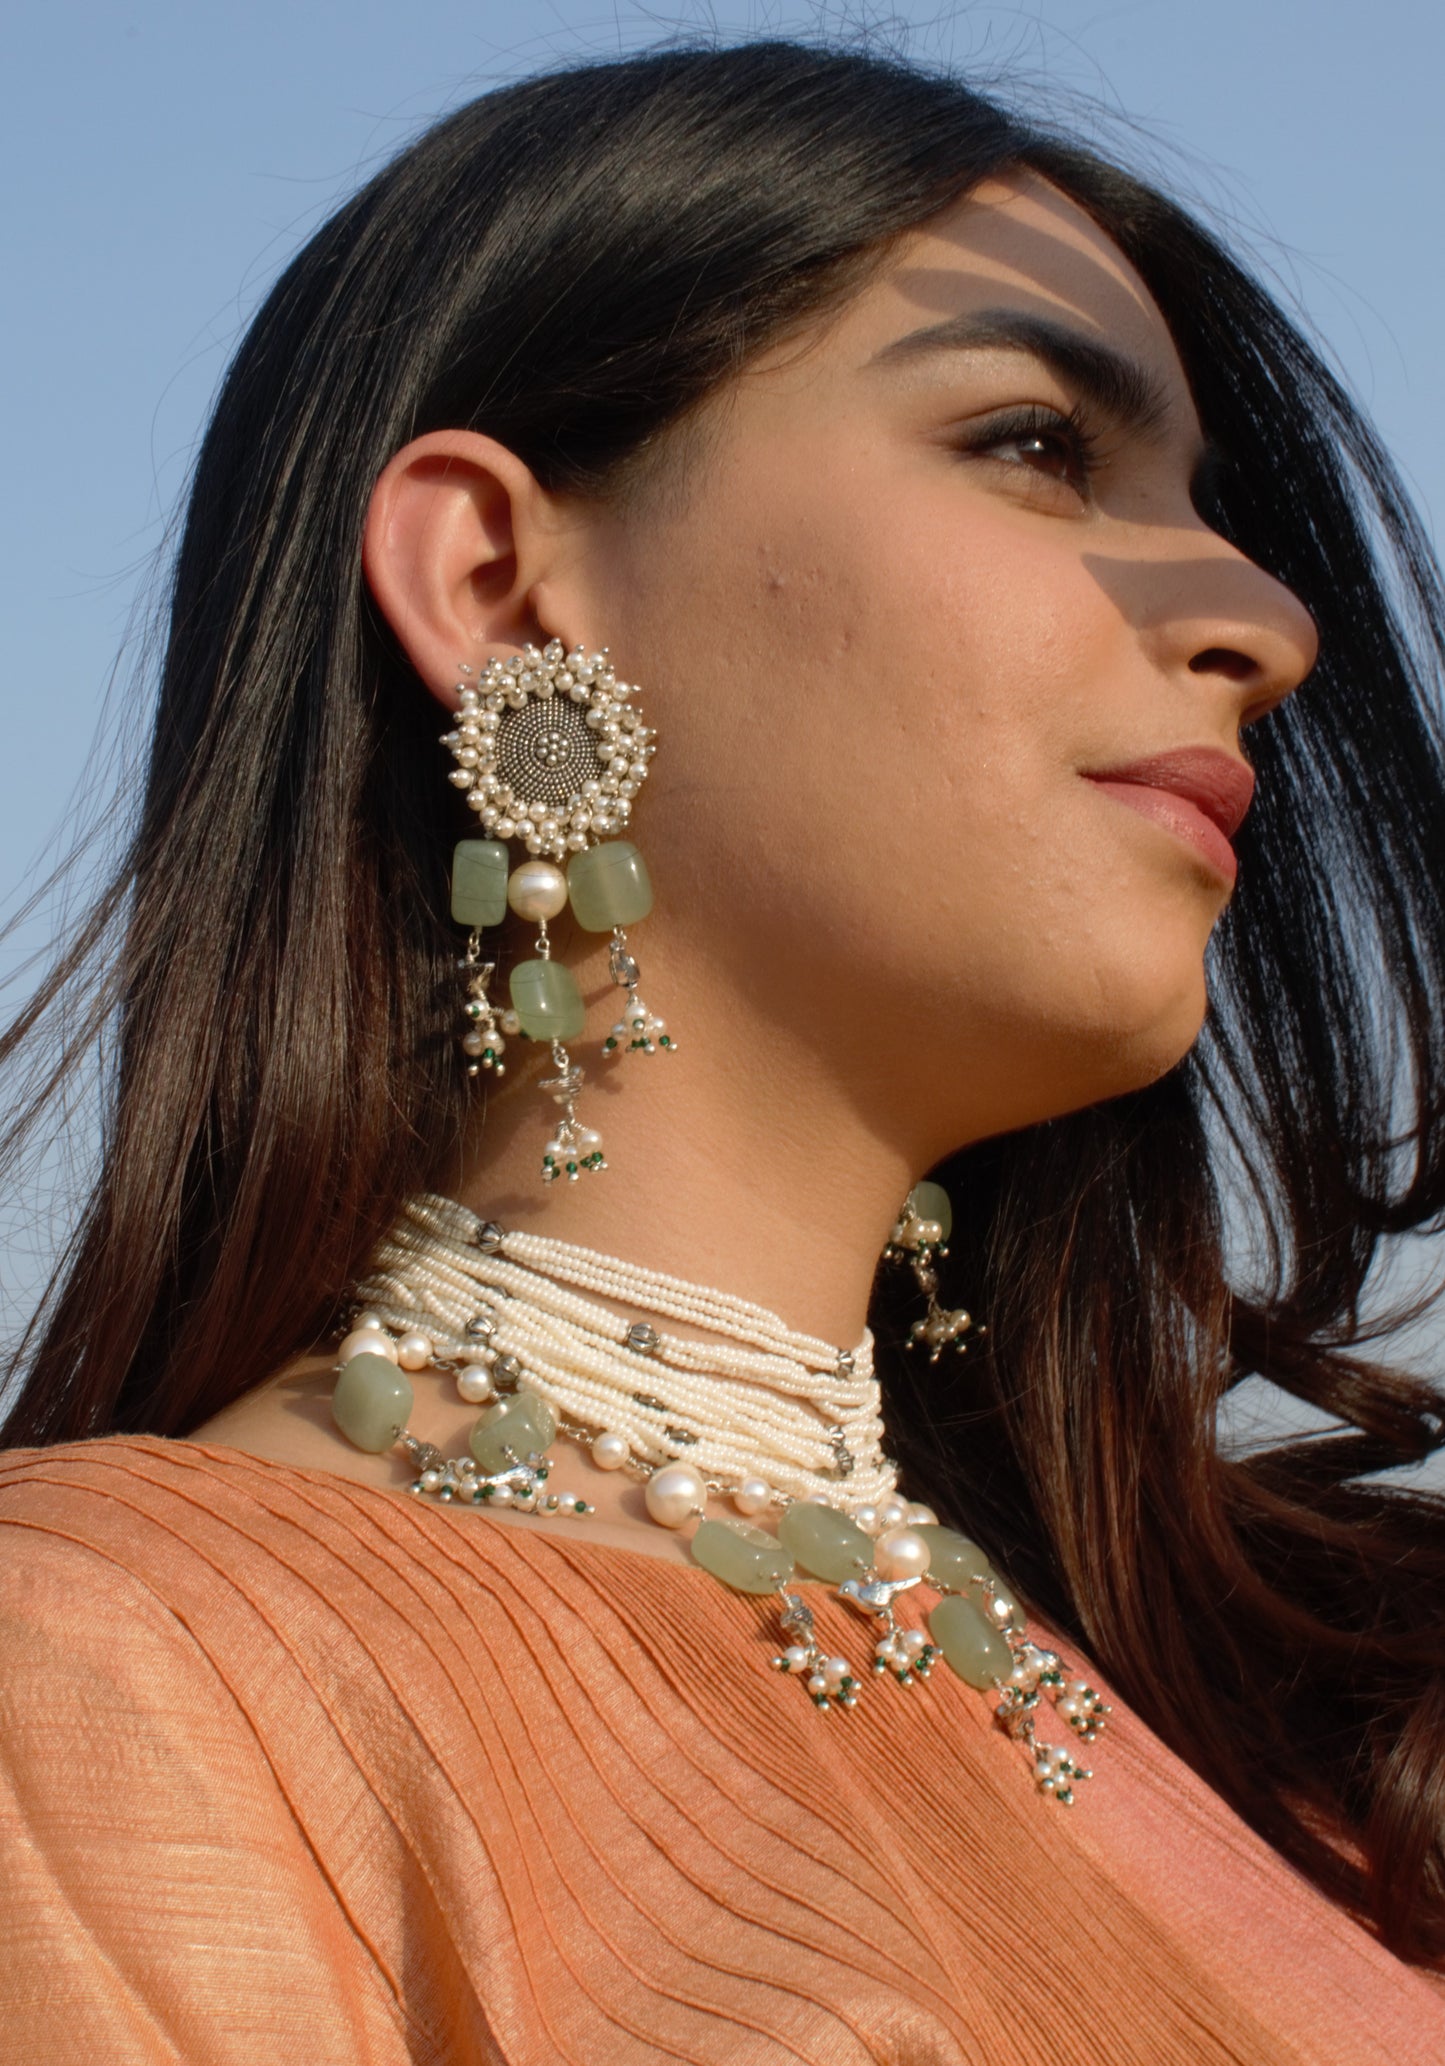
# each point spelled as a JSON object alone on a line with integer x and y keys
{"x": 457, "y": 538}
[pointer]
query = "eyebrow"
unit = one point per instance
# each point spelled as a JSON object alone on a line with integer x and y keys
{"x": 1109, "y": 378}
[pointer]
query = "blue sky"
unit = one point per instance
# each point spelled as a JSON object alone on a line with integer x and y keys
{"x": 162, "y": 161}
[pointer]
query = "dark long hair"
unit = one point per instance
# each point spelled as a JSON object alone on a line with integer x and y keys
{"x": 569, "y": 264}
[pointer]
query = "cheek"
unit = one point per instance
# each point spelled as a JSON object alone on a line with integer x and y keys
{"x": 873, "y": 710}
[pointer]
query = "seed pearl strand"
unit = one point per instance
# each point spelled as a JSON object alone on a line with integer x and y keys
{"x": 761, "y": 1431}
{"x": 596, "y": 1383}
{"x": 523, "y": 1309}
{"x": 559, "y": 1262}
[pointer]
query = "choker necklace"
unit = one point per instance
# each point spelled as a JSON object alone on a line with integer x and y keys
{"x": 769, "y": 1420}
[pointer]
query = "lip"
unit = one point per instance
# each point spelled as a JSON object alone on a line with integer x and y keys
{"x": 1199, "y": 793}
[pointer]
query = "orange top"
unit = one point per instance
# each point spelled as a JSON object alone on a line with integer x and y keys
{"x": 292, "y": 1768}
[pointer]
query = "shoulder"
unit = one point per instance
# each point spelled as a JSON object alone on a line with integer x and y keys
{"x": 155, "y": 1881}
{"x": 92, "y": 1652}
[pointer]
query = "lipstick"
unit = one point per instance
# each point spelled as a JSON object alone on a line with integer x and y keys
{"x": 1199, "y": 793}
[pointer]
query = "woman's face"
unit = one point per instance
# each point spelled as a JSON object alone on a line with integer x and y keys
{"x": 913, "y": 585}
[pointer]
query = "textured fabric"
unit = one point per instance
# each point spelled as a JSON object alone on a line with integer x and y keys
{"x": 292, "y": 1768}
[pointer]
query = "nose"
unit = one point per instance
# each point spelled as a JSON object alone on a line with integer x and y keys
{"x": 1233, "y": 624}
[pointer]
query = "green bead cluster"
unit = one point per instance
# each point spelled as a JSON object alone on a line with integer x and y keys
{"x": 570, "y": 1166}
{"x": 895, "y": 1653}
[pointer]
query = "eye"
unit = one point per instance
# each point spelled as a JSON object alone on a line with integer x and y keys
{"x": 1040, "y": 441}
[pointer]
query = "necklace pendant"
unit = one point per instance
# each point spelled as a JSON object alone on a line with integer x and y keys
{"x": 1037, "y": 1671}
{"x": 829, "y": 1680}
{"x": 460, "y": 1481}
{"x": 906, "y": 1652}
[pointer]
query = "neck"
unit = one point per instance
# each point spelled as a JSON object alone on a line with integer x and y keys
{"x": 743, "y": 1161}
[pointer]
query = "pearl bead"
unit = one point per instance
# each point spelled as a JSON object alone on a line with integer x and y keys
{"x": 475, "y": 1383}
{"x": 795, "y": 1657}
{"x": 893, "y": 1513}
{"x": 753, "y": 1496}
{"x": 674, "y": 1494}
{"x": 502, "y": 1495}
{"x": 866, "y": 1518}
{"x": 914, "y": 1642}
{"x": 415, "y": 1351}
{"x": 920, "y": 1516}
{"x": 537, "y": 889}
{"x": 610, "y": 1451}
{"x": 366, "y": 1341}
{"x": 901, "y": 1554}
{"x": 835, "y": 1670}
{"x": 369, "y": 1319}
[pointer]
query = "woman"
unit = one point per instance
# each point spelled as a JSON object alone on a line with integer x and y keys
{"x": 971, "y": 523}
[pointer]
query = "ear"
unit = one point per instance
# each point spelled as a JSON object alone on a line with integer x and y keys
{"x": 461, "y": 551}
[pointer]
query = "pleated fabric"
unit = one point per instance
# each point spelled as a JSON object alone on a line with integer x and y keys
{"x": 294, "y": 1768}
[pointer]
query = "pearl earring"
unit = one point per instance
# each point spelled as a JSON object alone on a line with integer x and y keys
{"x": 551, "y": 750}
{"x": 918, "y": 1238}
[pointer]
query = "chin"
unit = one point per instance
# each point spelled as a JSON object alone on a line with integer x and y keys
{"x": 1142, "y": 1047}
{"x": 1136, "y": 1021}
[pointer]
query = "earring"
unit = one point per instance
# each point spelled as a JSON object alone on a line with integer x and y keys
{"x": 551, "y": 750}
{"x": 918, "y": 1238}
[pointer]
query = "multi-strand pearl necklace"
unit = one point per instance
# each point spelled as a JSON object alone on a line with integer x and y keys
{"x": 762, "y": 1413}
{"x": 764, "y": 1416}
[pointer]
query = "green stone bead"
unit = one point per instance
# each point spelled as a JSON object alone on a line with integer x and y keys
{"x": 372, "y": 1402}
{"x": 748, "y": 1559}
{"x": 976, "y": 1651}
{"x": 511, "y": 1431}
{"x": 932, "y": 1202}
{"x": 953, "y": 1561}
{"x": 825, "y": 1542}
{"x": 542, "y": 1416}
{"x": 608, "y": 885}
{"x": 546, "y": 999}
{"x": 479, "y": 882}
